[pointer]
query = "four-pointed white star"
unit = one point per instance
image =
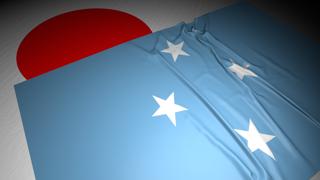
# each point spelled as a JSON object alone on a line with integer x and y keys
{"x": 256, "y": 140}
{"x": 241, "y": 71}
{"x": 168, "y": 107}
{"x": 175, "y": 50}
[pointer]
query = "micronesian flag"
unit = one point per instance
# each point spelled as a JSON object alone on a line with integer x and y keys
{"x": 232, "y": 95}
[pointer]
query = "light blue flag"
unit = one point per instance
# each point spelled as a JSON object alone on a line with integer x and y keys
{"x": 185, "y": 103}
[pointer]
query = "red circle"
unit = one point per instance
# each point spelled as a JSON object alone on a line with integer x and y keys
{"x": 74, "y": 35}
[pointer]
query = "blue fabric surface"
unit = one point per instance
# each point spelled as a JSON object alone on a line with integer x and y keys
{"x": 94, "y": 119}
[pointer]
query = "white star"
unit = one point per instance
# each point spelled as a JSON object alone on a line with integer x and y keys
{"x": 175, "y": 50}
{"x": 168, "y": 107}
{"x": 256, "y": 140}
{"x": 241, "y": 71}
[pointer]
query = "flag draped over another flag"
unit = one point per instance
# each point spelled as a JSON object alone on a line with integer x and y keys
{"x": 177, "y": 104}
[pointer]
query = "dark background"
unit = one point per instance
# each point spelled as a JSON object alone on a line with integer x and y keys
{"x": 302, "y": 15}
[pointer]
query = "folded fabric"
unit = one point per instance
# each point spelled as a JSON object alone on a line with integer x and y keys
{"x": 224, "y": 97}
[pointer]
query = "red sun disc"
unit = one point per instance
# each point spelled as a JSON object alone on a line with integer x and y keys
{"x": 74, "y": 35}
